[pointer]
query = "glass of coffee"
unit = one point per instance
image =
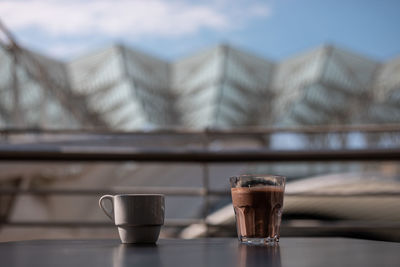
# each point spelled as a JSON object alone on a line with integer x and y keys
{"x": 258, "y": 202}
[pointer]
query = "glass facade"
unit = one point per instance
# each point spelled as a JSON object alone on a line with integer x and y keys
{"x": 35, "y": 92}
{"x": 222, "y": 87}
{"x": 386, "y": 107}
{"x": 326, "y": 86}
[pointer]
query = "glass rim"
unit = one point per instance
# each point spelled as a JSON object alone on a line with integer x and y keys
{"x": 255, "y": 176}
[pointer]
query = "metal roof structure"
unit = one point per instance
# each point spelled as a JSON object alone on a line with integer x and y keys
{"x": 35, "y": 92}
{"x": 129, "y": 89}
{"x": 222, "y": 87}
{"x": 328, "y": 85}
{"x": 386, "y": 107}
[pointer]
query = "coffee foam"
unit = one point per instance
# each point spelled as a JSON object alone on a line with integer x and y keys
{"x": 264, "y": 188}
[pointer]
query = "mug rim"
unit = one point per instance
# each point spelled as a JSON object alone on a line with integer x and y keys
{"x": 139, "y": 195}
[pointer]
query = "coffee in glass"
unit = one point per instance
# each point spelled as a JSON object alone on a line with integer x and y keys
{"x": 258, "y": 202}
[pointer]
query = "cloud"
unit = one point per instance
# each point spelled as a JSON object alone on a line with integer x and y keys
{"x": 62, "y": 50}
{"x": 128, "y": 17}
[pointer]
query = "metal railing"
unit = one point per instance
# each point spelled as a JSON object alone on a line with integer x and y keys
{"x": 56, "y": 153}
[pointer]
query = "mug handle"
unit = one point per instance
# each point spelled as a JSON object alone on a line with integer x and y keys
{"x": 110, "y": 214}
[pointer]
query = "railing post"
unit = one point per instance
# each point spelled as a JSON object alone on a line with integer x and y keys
{"x": 206, "y": 185}
{"x": 206, "y": 205}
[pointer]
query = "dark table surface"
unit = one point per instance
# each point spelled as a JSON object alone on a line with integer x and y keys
{"x": 201, "y": 252}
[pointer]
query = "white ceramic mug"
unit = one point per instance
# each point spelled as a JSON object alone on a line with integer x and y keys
{"x": 138, "y": 217}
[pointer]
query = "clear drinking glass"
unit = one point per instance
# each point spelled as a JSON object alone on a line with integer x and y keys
{"x": 258, "y": 202}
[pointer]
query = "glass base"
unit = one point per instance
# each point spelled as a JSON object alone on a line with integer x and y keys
{"x": 260, "y": 241}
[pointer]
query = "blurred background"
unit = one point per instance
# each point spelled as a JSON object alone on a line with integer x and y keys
{"x": 175, "y": 97}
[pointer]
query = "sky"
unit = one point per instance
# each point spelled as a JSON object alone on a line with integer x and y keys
{"x": 172, "y": 29}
